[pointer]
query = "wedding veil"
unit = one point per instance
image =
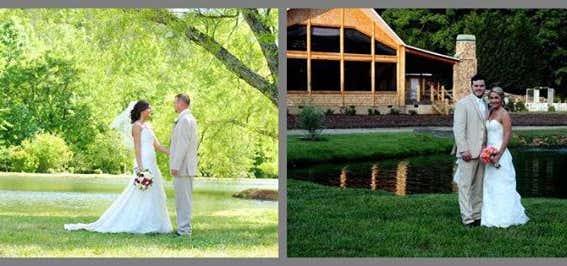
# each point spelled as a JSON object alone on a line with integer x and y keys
{"x": 123, "y": 125}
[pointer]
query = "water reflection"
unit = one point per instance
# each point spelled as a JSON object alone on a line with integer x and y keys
{"x": 401, "y": 177}
{"x": 343, "y": 177}
{"x": 374, "y": 177}
{"x": 538, "y": 174}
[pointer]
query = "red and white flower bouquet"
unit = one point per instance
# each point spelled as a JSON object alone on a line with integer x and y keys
{"x": 144, "y": 179}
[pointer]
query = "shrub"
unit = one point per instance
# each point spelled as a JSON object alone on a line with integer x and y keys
{"x": 311, "y": 119}
{"x": 4, "y": 159}
{"x": 373, "y": 111}
{"x": 412, "y": 112}
{"x": 394, "y": 111}
{"x": 510, "y": 106}
{"x": 106, "y": 154}
{"x": 329, "y": 112}
{"x": 551, "y": 108}
{"x": 520, "y": 106}
{"x": 351, "y": 110}
{"x": 45, "y": 152}
{"x": 22, "y": 161}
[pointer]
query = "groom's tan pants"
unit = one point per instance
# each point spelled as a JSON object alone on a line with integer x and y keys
{"x": 470, "y": 189}
{"x": 183, "y": 190}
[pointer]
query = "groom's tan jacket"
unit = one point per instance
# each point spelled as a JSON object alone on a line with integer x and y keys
{"x": 184, "y": 144}
{"x": 469, "y": 126}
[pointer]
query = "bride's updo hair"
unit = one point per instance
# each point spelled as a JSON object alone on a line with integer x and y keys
{"x": 498, "y": 91}
{"x": 139, "y": 107}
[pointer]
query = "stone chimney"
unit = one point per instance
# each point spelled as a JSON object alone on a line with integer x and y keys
{"x": 463, "y": 71}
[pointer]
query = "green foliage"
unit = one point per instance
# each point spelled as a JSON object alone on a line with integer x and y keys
{"x": 394, "y": 111}
{"x": 520, "y": 106}
{"x": 329, "y": 112}
{"x": 107, "y": 154}
{"x": 311, "y": 119}
{"x": 551, "y": 108}
{"x": 43, "y": 153}
{"x": 76, "y": 69}
{"x": 351, "y": 110}
{"x": 4, "y": 158}
{"x": 22, "y": 161}
{"x": 373, "y": 111}
{"x": 516, "y": 48}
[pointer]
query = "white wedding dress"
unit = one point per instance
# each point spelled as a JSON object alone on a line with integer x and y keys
{"x": 136, "y": 211}
{"x": 501, "y": 203}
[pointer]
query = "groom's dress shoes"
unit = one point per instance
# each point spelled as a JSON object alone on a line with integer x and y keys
{"x": 471, "y": 225}
{"x": 476, "y": 223}
{"x": 177, "y": 234}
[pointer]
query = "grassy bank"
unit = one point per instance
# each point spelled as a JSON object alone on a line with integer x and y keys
{"x": 363, "y": 146}
{"x": 364, "y": 223}
{"x": 393, "y": 145}
{"x": 33, "y": 211}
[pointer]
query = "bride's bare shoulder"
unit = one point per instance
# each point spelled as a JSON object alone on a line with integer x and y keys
{"x": 136, "y": 128}
{"x": 505, "y": 117}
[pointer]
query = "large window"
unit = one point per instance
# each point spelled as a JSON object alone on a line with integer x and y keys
{"x": 326, "y": 69}
{"x": 325, "y": 39}
{"x": 326, "y": 75}
{"x": 297, "y": 37}
{"x": 358, "y": 76}
{"x": 357, "y": 42}
{"x": 385, "y": 76}
{"x": 297, "y": 74}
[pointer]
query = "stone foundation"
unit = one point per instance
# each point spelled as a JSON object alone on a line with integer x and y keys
{"x": 385, "y": 101}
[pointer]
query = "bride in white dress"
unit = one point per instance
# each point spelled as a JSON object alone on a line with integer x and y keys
{"x": 501, "y": 203}
{"x": 136, "y": 211}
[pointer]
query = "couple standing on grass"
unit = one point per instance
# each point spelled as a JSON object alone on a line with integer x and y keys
{"x": 487, "y": 191}
{"x": 145, "y": 211}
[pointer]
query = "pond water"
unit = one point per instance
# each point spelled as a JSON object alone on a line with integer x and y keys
{"x": 539, "y": 173}
{"x": 80, "y": 192}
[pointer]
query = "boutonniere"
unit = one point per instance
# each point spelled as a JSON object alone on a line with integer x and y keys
{"x": 175, "y": 121}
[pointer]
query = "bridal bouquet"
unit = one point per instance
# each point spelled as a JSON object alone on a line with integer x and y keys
{"x": 143, "y": 179}
{"x": 486, "y": 153}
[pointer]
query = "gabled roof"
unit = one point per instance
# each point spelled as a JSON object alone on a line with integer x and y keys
{"x": 412, "y": 49}
{"x": 371, "y": 12}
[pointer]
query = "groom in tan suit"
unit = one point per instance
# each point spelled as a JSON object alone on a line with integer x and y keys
{"x": 469, "y": 128}
{"x": 183, "y": 162}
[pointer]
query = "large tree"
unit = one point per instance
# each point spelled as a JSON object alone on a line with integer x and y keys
{"x": 183, "y": 21}
{"x": 95, "y": 61}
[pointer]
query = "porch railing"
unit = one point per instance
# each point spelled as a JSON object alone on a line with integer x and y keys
{"x": 441, "y": 99}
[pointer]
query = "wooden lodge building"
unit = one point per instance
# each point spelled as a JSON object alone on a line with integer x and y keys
{"x": 343, "y": 57}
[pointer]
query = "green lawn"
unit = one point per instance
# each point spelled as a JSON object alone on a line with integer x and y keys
{"x": 34, "y": 209}
{"x": 363, "y": 146}
{"x": 330, "y": 222}
{"x": 349, "y": 147}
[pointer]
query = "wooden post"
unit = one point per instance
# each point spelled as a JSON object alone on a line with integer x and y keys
{"x": 431, "y": 89}
{"x": 401, "y": 75}
{"x": 421, "y": 89}
{"x": 373, "y": 67}
{"x": 342, "y": 45}
{"x": 309, "y": 54}
{"x": 443, "y": 98}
